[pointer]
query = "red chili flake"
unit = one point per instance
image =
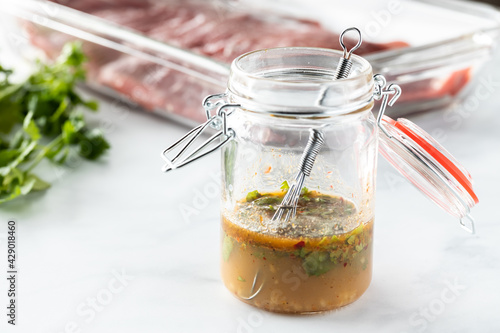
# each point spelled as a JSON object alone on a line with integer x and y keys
{"x": 331, "y": 186}
{"x": 329, "y": 172}
{"x": 345, "y": 264}
{"x": 264, "y": 258}
{"x": 268, "y": 169}
{"x": 299, "y": 245}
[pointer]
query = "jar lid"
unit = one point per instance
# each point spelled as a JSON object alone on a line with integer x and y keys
{"x": 428, "y": 166}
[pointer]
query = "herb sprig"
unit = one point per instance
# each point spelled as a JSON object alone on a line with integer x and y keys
{"x": 41, "y": 118}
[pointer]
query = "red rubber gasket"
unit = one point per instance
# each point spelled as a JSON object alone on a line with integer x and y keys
{"x": 438, "y": 156}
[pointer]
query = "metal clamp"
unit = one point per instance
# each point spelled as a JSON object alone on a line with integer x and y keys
{"x": 381, "y": 93}
{"x": 217, "y": 121}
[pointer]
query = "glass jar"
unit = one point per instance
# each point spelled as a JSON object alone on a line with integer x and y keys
{"x": 322, "y": 258}
{"x": 278, "y": 103}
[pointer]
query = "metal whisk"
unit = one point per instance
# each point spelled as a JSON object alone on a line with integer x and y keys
{"x": 316, "y": 140}
{"x": 289, "y": 203}
{"x": 345, "y": 64}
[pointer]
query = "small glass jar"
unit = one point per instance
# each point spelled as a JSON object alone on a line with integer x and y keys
{"x": 322, "y": 258}
{"x": 277, "y": 101}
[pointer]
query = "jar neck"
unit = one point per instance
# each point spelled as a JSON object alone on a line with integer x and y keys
{"x": 299, "y": 82}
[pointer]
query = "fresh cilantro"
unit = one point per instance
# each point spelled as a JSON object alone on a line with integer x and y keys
{"x": 41, "y": 118}
{"x": 267, "y": 200}
{"x": 251, "y": 196}
{"x": 304, "y": 192}
{"x": 317, "y": 263}
{"x": 284, "y": 186}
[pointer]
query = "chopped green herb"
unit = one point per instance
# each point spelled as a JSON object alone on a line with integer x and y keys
{"x": 251, "y": 196}
{"x": 364, "y": 263}
{"x": 358, "y": 230}
{"x": 266, "y": 201}
{"x": 316, "y": 264}
{"x": 241, "y": 279}
{"x": 304, "y": 191}
{"x": 284, "y": 186}
{"x": 41, "y": 119}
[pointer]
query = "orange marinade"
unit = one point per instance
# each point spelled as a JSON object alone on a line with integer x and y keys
{"x": 302, "y": 267}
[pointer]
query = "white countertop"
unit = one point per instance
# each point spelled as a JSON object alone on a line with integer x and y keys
{"x": 122, "y": 216}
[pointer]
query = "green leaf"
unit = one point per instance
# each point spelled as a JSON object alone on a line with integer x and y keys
{"x": 25, "y": 152}
{"x": 15, "y": 176}
{"x": 93, "y": 145}
{"x": 72, "y": 55}
{"x": 27, "y": 185}
{"x": 10, "y": 195}
{"x": 358, "y": 230}
{"x": 69, "y": 132}
{"x": 251, "y": 196}
{"x": 7, "y": 156}
{"x": 304, "y": 191}
{"x": 16, "y": 184}
{"x": 30, "y": 127}
{"x": 303, "y": 252}
{"x": 10, "y": 111}
{"x": 284, "y": 186}
{"x": 39, "y": 184}
{"x": 60, "y": 110}
{"x": 316, "y": 263}
{"x": 267, "y": 200}
{"x": 59, "y": 154}
{"x": 241, "y": 279}
{"x": 92, "y": 105}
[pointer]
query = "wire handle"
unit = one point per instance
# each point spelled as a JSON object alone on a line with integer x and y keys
{"x": 217, "y": 121}
{"x": 345, "y": 64}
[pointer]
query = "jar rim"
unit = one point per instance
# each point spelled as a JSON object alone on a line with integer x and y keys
{"x": 299, "y": 81}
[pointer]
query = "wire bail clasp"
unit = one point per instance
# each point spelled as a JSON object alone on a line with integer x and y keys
{"x": 218, "y": 121}
{"x": 383, "y": 93}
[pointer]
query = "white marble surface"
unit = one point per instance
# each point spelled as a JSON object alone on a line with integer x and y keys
{"x": 122, "y": 215}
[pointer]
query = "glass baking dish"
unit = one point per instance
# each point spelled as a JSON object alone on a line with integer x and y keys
{"x": 165, "y": 56}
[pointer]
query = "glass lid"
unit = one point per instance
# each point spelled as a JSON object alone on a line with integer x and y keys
{"x": 428, "y": 166}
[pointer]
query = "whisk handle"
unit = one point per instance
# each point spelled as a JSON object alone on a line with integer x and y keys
{"x": 316, "y": 140}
